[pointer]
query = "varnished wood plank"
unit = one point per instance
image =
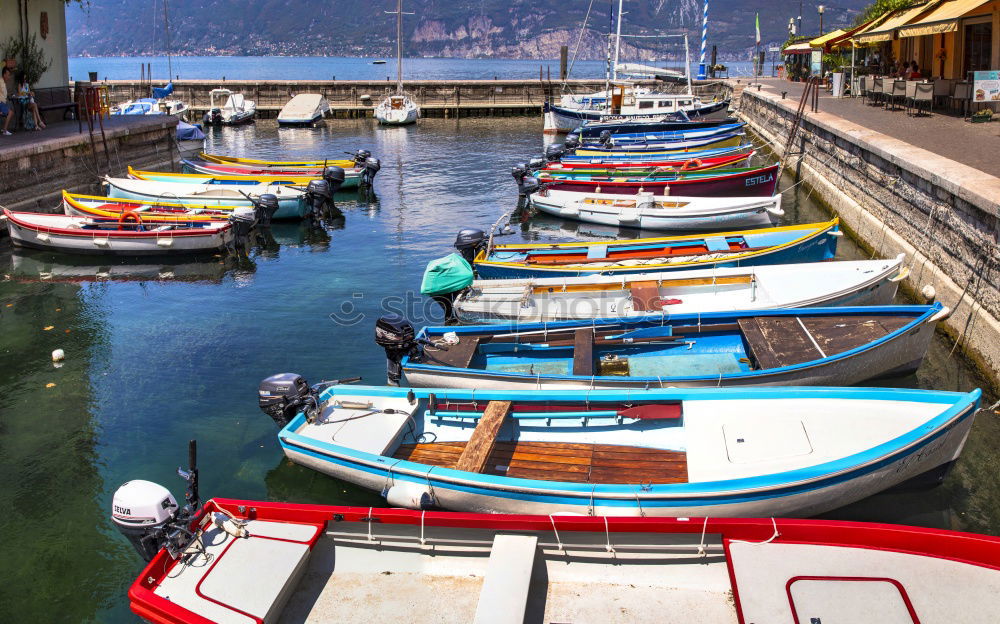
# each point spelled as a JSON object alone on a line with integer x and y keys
{"x": 583, "y": 352}
{"x": 457, "y": 356}
{"x": 539, "y": 465}
{"x": 542, "y": 475}
{"x": 484, "y": 437}
{"x": 645, "y": 296}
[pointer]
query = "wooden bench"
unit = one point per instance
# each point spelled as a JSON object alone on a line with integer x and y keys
{"x": 457, "y": 356}
{"x": 503, "y": 598}
{"x": 484, "y": 437}
{"x": 583, "y": 352}
{"x": 58, "y": 98}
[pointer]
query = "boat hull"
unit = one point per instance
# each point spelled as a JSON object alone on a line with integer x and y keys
{"x": 288, "y": 208}
{"x": 352, "y": 178}
{"x": 559, "y": 119}
{"x": 755, "y": 183}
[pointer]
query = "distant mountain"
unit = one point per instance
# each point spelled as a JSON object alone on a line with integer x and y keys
{"x": 455, "y": 28}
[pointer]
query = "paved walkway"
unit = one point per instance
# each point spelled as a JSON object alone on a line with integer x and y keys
{"x": 975, "y": 145}
{"x": 62, "y": 131}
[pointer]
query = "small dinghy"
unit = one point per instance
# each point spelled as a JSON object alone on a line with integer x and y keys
{"x": 328, "y": 563}
{"x": 810, "y": 242}
{"x": 648, "y": 212}
{"x": 336, "y": 177}
{"x": 320, "y": 163}
{"x": 662, "y": 137}
{"x": 856, "y": 283}
{"x": 293, "y": 203}
{"x": 364, "y": 167}
{"x": 744, "y": 182}
{"x": 97, "y": 207}
{"x": 568, "y": 157}
{"x": 732, "y": 139}
{"x": 128, "y": 235}
{"x": 709, "y": 452}
{"x": 594, "y": 129}
{"x": 806, "y": 346}
{"x": 602, "y": 166}
{"x": 305, "y": 109}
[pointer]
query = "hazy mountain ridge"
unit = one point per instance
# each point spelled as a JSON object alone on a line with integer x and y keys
{"x": 461, "y": 28}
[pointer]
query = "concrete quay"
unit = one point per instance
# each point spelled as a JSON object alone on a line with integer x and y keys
{"x": 895, "y": 195}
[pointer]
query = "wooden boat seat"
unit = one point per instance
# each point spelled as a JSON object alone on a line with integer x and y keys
{"x": 484, "y": 437}
{"x": 645, "y": 296}
{"x": 561, "y": 461}
{"x": 776, "y": 341}
{"x": 583, "y": 352}
{"x": 459, "y": 355}
{"x": 503, "y": 598}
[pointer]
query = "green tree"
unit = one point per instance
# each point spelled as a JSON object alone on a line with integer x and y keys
{"x": 881, "y": 7}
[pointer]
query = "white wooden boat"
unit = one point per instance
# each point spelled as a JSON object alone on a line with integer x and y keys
{"x": 709, "y": 452}
{"x": 292, "y": 202}
{"x": 80, "y": 235}
{"x": 330, "y": 565}
{"x": 229, "y": 109}
{"x": 647, "y": 211}
{"x": 304, "y": 109}
{"x": 855, "y": 283}
{"x": 802, "y": 346}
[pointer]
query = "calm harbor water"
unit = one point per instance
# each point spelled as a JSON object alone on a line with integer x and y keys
{"x": 340, "y": 68}
{"x": 158, "y": 354}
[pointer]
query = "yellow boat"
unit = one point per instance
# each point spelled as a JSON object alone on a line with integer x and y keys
{"x": 277, "y": 164}
{"x": 204, "y": 178}
{"x": 735, "y": 141}
{"x": 76, "y": 204}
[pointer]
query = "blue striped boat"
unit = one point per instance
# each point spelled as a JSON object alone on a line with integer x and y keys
{"x": 754, "y": 452}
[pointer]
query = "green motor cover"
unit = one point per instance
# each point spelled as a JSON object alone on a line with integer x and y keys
{"x": 446, "y": 275}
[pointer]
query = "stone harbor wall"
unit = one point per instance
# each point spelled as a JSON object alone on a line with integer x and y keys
{"x": 34, "y": 173}
{"x": 894, "y": 197}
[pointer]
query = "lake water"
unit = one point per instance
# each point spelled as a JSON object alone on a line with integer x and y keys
{"x": 159, "y": 354}
{"x": 340, "y": 68}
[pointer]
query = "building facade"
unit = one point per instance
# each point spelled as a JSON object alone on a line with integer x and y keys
{"x": 46, "y": 19}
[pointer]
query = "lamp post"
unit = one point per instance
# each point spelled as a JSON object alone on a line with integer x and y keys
{"x": 791, "y": 26}
{"x": 799, "y": 27}
{"x": 820, "y": 9}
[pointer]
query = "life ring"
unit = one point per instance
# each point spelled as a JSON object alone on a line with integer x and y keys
{"x": 129, "y": 214}
{"x": 692, "y": 164}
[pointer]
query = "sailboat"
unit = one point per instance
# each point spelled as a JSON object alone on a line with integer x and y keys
{"x": 399, "y": 108}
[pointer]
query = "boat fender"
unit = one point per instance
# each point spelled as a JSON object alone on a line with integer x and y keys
{"x": 130, "y": 215}
{"x": 229, "y": 524}
{"x": 409, "y": 496}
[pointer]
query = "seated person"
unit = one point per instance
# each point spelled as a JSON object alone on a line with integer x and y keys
{"x": 27, "y": 96}
{"x": 5, "y": 111}
{"x": 915, "y": 71}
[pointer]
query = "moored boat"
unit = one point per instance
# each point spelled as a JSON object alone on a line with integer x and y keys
{"x": 810, "y": 242}
{"x": 855, "y": 283}
{"x": 717, "y": 452}
{"x": 229, "y": 109}
{"x": 305, "y": 109}
{"x": 601, "y": 166}
{"x": 95, "y": 206}
{"x": 321, "y": 163}
{"x": 562, "y": 119}
{"x": 743, "y": 182}
{"x": 594, "y": 129}
{"x": 326, "y": 562}
{"x": 646, "y": 211}
{"x": 337, "y": 177}
{"x": 668, "y": 136}
{"x": 126, "y": 236}
{"x": 732, "y": 139}
{"x": 803, "y": 346}
{"x": 293, "y": 203}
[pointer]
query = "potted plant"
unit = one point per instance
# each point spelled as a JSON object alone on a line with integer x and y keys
{"x": 34, "y": 63}
{"x": 9, "y": 51}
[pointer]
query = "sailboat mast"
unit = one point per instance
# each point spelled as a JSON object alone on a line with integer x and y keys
{"x": 399, "y": 46}
{"x": 618, "y": 42}
{"x": 687, "y": 64}
{"x": 607, "y": 68}
{"x": 166, "y": 35}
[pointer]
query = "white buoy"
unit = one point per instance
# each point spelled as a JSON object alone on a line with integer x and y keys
{"x": 58, "y": 355}
{"x": 929, "y": 292}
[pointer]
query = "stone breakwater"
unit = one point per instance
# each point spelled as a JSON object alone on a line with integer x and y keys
{"x": 894, "y": 197}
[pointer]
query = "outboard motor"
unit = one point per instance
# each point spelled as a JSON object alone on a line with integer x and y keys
{"x": 605, "y": 137}
{"x": 149, "y": 516}
{"x": 554, "y": 152}
{"x": 266, "y": 205}
{"x": 319, "y": 196}
{"x": 394, "y": 334}
{"x": 284, "y": 395}
{"x": 334, "y": 176}
{"x": 530, "y": 185}
{"x": 468, "y": 242}
{"x": 371, "y": 167}
{"x": 536, "y": 163}
{"x": 360, "y": 156}
{"x": 572, "y": 142}
{"x": 213, "y": 117}
{"x": 243, "y": 219}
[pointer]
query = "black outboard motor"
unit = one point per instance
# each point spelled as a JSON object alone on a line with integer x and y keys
{"x": 572, "y": 142}
{"x": 335, "y": 177}
{"x": 243, "y": 218}
{"x": 468, "y": 242}
{"x": 605, "y": 137}
{"x": 371, "y": 167}
{"x": 319, "y": 196}
{"x": 530, "y": 185}
{"x": 394, "y": 334}
{"x": 536, "y": 163}
{"x": 213, "y": 117}
{"x": 360, "y": 156}
{"x": 266, "y": 205}
{"x": 284, "y": 395}
{"x": 554, "y": 152}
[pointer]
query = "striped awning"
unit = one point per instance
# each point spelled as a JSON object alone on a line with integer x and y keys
{"x": 798, "y": 48}
{"x": 942, "y": 19}
{"x": 883, "y": 31}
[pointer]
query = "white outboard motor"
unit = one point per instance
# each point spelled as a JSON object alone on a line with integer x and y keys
{"x": 142, "y": 510}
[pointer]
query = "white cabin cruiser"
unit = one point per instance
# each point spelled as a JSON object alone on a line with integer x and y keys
{"x": 229, "y": 109}
{"x": 304, "y": 109}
